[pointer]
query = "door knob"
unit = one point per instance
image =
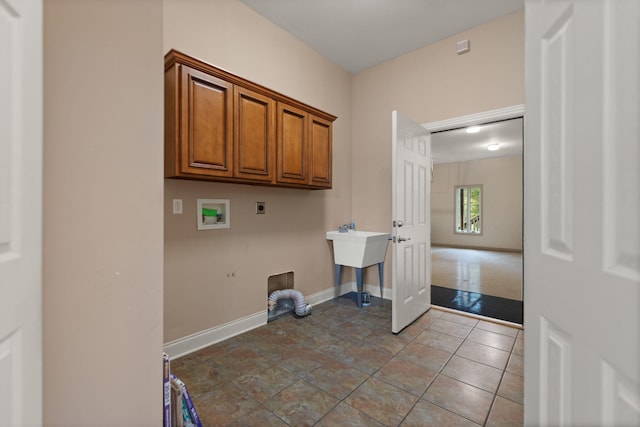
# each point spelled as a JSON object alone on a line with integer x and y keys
{"x": 403, "y": 239}
{"x": 400, "y": 223}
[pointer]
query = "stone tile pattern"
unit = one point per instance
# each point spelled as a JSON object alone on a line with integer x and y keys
{"x": 342, "y": 366}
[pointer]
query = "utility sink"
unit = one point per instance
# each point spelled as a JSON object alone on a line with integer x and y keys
{"x": 358, "y": 248}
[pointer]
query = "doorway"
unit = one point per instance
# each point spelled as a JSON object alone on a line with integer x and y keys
{"x": 477, "y": 257}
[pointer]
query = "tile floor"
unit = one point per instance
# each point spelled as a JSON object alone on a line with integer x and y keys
{"x": 483, "y": 305}
{"x": 341, "y": 366}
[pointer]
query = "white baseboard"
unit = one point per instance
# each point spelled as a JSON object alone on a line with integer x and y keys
{"x": 375, "y": 291}
{"x": 202, "y": 339}
{"x": 327, "y": 294}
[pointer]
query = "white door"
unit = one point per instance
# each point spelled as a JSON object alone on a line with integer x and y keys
{"x": 20, "y": 216}
{"x": 411, "y": 181}
{"x": 582, "y": 210}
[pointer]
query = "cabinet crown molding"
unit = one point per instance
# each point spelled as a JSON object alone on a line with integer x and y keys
{"x": 173, "y": 56}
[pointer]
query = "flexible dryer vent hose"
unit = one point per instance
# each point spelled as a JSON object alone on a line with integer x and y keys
{"x": 302, "y": 309}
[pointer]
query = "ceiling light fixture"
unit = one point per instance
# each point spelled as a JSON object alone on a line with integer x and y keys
{"x": 493, "y": 147}
{"x": 473, "y": 129}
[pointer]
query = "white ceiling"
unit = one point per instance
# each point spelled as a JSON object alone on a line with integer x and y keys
{"x": 458, "y": 145}
{"x": 357, "y": 34}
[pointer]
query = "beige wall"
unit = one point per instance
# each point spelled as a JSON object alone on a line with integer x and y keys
{"x": 103, "y": 191}
{"x": 217, "y": 276}
{"x": 103, "y": 221}
{"x": 102, "y": 249}
{"x": 501, "y": 180}
{"x": 429, "y": 84}
{"x": 221, "y": 275}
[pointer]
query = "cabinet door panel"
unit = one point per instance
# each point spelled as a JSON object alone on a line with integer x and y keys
{"x": 320, "y": 152}
{"x": 292, "y": 145}
{"x": 255, "y": 135}
{"x": 207, "y": 124}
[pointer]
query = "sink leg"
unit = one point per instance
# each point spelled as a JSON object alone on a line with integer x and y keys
{"x": 338, "y": 272}
{"x": 359, "y": 285}
{"x": 381, "y": 276}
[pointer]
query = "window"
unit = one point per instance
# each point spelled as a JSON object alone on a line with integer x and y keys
{"x": 468, "y": 209}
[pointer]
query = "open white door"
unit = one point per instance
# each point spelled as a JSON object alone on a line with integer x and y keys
{"x": 411, "y": 215}
{"x": 20, "y": 216}
{"x": 582, "y": 210}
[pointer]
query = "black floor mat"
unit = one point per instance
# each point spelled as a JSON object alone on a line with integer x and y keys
{"x": 472, "y": 302}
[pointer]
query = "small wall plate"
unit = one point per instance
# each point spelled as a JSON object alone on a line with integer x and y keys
{"x": 261, "y": 208}
{"x": 463, "y": 46}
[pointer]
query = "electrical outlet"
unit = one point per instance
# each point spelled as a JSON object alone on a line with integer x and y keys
{"x": 177, "y": 206}
{"x": 261, "y": 207}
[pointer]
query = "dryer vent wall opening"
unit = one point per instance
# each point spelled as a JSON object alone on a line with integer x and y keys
{"x": 278, "y": 282}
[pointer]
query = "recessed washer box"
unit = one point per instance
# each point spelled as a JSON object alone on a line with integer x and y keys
{"x": 213, "y": 213}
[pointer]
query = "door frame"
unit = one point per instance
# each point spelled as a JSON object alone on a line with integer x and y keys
{"x": 21, "y": 317}
{"x": 478, "y": 119}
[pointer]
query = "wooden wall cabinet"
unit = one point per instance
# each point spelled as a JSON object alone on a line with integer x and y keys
{"x": 254, "y": 135}
{"x": 304, "y": 148}
{"x": 220, "y": 127}
{"x": 292, "y": 147}
{"x": 320, "y": 152}
{"x": 200, "y": 121}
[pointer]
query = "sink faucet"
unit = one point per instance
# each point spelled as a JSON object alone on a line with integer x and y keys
{"x": 346, "y": 227}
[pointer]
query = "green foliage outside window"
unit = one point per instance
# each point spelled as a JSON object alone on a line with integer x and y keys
{"x": 468, "y": 208}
